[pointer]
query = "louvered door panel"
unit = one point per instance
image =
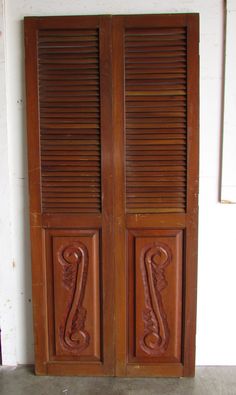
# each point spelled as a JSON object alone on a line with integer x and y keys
{"x": 69, "y": 117}
{"x": 156, "y": 163}
{"x": 156, "y": 118}
{"x": 69, "y": 102}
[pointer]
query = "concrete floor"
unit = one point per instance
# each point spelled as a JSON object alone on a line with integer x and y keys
{"x": 208, "y": 381}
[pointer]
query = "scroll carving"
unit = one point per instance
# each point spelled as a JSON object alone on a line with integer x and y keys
{"x": 74, "y": 261}
{"x": 154, "y": 260}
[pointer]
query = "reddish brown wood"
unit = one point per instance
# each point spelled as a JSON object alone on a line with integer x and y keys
{"x": 107, "y": 193}
{"x": 73, "y": 272}
{"x": 147, "y": 134}
{"x": 70, "y": 148}
{"x": 160, "y": 194}
{"x": 190, "y": 276}
{"x": 119, "y": 198}
{"x": 70, "y": 139}
{"x": 36, "y": 230}
{"x": 113, "y": 174}
{"x": 155, "y": 295}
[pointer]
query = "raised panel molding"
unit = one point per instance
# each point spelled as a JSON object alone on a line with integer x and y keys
{"x": 74, "y": 259}
{"x": 153, "y": 261}
{"x": 155, "y": 295}
{"x": 74, "y": 294}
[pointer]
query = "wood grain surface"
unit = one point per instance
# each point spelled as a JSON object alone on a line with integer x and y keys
{"x": 112, "y": 114}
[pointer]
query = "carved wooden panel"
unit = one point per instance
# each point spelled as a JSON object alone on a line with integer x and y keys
{"x": 155, "y": 295}
{"x": 74, "y": 294}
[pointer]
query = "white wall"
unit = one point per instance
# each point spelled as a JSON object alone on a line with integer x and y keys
{"x": 228, "y": 179}
{"x": 7, "y": 267}
{"x": 216, "y": 340}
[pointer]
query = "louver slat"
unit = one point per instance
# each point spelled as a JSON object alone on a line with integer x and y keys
{"x": 69, "y": 103}
{"x": 155, "y": 110}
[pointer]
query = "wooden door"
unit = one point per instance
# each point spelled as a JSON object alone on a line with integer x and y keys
{"x": 112, "y": 111}
{"x": 156, "y": 189}
{"x": 70, "y": 155}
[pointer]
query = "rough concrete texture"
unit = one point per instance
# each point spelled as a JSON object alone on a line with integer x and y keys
{"x": 208, "y": 381}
